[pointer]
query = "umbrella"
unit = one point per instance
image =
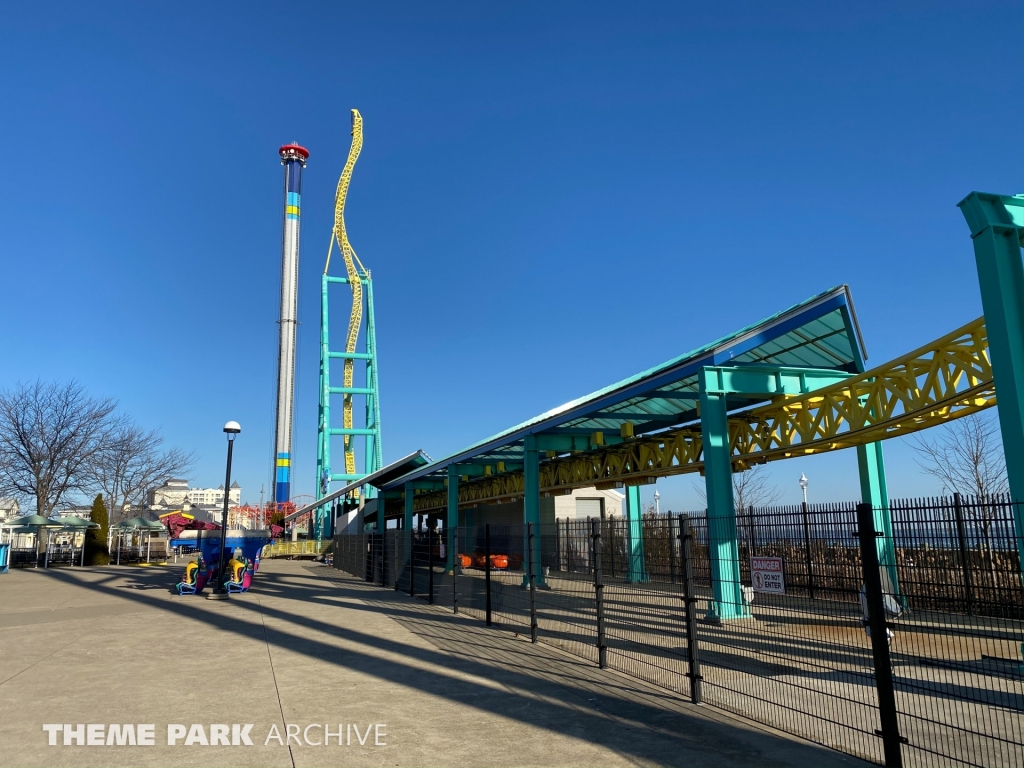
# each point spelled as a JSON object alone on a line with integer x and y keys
{"x": 141, "y": 522}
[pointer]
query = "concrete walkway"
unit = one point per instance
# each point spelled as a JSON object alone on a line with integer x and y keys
{"x": 308, "y": 646}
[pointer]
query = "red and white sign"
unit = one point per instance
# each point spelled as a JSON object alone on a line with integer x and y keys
{"x": 766, "y": 575}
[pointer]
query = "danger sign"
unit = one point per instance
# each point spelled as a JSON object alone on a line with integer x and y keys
{"x": 766, "y": 575}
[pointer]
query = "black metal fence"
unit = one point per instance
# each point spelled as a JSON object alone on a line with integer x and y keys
{"x": 894, "y": 635}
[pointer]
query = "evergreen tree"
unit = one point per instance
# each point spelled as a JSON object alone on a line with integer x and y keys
{"x": 96, "y": 552}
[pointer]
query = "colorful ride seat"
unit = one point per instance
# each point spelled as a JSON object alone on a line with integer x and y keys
{"x": 237, "y": 571}
{"x": 194, "y": 579}
{"x": 187, "y": 585}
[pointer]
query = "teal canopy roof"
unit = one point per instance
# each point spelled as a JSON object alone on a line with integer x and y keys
{"x": 821, "y": 332}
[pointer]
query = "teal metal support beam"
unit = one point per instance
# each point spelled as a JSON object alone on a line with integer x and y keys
{"x": 472, "y": 470}
{"x": 767, "y": 381}
{"x": 373, "y": 450}
{"x": 351, "y": 390}
{"x": 716, "y": 382}
{"x": 873, "y": 491}
{"x": 322, "y": 519}
{"x": 997, "y": 224}
{"x": 410, "y": 497}
{"x": 452, "y": 520}
{"x": 428, "y": 485}
{"x": 531, "y": 505}
{"x": 637, "y": 572}
{"x": 343, "y": 431}
{"x": 351, "y": 355}
{"x": 727, "y": 594}
{"x": 772, "y": 381}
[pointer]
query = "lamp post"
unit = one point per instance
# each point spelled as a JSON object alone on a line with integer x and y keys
{"x": 231, "y": 429}
{"x": 808, "y": 555}
{"x": 657, "y": 506}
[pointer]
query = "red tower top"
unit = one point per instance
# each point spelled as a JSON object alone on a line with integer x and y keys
{"x": 294, "y": 152}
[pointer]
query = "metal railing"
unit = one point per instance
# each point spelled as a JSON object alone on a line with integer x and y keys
{"x": 893, "y": 635}
{"x": 296, "y": 548}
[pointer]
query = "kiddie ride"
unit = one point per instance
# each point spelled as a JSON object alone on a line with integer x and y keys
{"x": 242, "y": 561}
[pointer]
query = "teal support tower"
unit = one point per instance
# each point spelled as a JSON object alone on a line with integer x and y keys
{"x": 369, "y": 432}
{"x": 997, "y": 227}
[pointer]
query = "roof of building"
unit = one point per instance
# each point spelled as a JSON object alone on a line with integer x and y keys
{"x": 821, "y": 332}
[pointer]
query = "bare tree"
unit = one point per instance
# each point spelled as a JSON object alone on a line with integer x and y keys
{"x": 50, "y": 435}
{"x": 131, "y": 461}
{"x": 966, "y": 457}
{"x": 751, "y": 488}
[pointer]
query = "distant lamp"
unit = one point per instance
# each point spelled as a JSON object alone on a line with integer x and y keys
{"x": 803, "y": 485}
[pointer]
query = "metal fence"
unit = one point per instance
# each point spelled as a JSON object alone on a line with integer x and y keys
{"x": 305, "y": 548}
{"x": 901, "y": 646}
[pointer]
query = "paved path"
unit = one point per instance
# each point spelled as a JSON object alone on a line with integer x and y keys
{"x": 311, "y": 645}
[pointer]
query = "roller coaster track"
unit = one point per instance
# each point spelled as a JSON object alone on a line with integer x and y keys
{"x": 941, "y": 381}
{"x": 355, "y": 272}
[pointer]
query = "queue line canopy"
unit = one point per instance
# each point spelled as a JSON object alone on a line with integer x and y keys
{"x": 821, "y": 332}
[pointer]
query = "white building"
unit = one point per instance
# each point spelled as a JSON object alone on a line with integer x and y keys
{"x": 215, "y": 495}
{"x": 589, "y": 502}
{"x": 172, "y": 493}
{"x": 9, "y": 508}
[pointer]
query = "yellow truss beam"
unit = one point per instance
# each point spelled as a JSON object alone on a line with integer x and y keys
{"x": 941, "y": 381}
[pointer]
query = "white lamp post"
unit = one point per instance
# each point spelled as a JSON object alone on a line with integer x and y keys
{"x": 803, "y": 485}
{"x": 657, "y": 507}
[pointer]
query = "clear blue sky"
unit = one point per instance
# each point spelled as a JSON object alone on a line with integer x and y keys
{"x": 552, "y": 196}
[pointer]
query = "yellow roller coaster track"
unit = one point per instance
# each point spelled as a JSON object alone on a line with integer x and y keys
{"x": 355, "y": 271}
{"x": 944, "y": 380}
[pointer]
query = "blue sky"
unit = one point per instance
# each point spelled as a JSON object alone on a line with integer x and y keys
{"x": 551, "y": 197}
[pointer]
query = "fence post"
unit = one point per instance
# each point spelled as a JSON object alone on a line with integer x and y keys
{"x": 890, "y": 731}
{"x": 430, "y": 566}
{"x": 487, "y": 571}
{"x": 807, "y": 549}
{"x": 412, "y": 564}
{"x": 533, "y": 583}
{"x": 383, "y": 559}
{"x": 961, "y": 535}
{"x": 673, "y": 549}
{"x": 611, "y": 541}
{"x": 456, "y": 567}
{"x": 602, "y": 651}
{"x": 558, "y": 547}
{"x": 690, "y": 602}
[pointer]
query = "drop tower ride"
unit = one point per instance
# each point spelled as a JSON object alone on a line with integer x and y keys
{"x": 293, "y": 158}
